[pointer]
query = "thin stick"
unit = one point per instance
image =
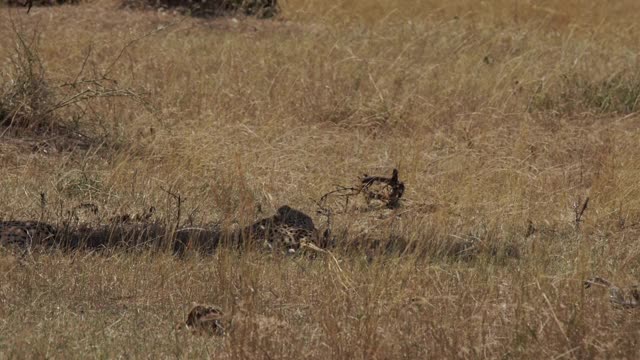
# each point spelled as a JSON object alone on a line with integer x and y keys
{"x": 581, "y": 212}
{"x": 179, "y": 199}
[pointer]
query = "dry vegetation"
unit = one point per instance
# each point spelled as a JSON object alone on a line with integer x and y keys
{"x": 502, "y": 117}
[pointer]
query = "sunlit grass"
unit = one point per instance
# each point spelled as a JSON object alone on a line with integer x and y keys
{"x": 497, "y": 114}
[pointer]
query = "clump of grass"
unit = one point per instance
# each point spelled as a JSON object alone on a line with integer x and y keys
{"x": 579, "y": 92}
{"x": 31, "y": 104}
{"x": 27, "y": 99}
{"x": 619, "y": 93}
{"x": 294, "y": 106}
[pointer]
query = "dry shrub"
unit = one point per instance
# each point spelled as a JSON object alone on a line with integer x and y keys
{"x": 32, "y": 105}
{"x": 26, "y": 99}
{"x": 203, "y": 8}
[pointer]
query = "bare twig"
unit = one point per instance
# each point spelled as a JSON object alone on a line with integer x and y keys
{"x": 580, "y": 212}
{"x": 340, "y": 191}
{"x": 92, "y": 94}
{"x": 179, "y": 199}
{"x": 84, "y": 64}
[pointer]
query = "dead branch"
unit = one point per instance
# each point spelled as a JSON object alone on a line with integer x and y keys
{"x": 179, "y": 200}
{"x": 340, "y": 191}
{"x": 579, "y": 213}
{"x": 390, "y": 192}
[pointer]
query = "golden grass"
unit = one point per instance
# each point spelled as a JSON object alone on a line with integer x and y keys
{"x": 496, "y": 114}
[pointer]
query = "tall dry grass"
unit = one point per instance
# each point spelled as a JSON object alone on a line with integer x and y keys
{"x": 497, "y": 114}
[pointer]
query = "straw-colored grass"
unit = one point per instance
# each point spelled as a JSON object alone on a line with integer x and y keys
{"x": 502, "y": 118}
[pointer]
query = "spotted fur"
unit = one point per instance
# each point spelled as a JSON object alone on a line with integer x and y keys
{"x": 205, "y": 319}
{"x": 26, "y": 233}
{"x": 287, "y": 229}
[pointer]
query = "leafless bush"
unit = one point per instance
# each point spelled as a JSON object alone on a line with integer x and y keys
{"x": 31, "y": 103}
{"x": 27, "y": 98}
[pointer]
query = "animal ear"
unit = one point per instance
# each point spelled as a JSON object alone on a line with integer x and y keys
{"x": 284, "y": 210}
{"x": 394, "y": 176}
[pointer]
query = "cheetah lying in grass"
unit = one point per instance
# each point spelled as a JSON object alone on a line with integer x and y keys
{"x": 204, "y": 319}
{"x": 288, "y": 229}
{"x": 211, "y": 320}
{"x": 24, "y": 234}
{"x": 27, "y": 235}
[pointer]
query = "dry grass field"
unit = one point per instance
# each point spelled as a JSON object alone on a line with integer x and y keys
{"x": 502, "y": 118}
